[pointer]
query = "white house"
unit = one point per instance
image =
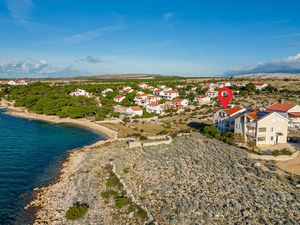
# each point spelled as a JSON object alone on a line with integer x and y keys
{"x": 154, "y": 108}
{"x": 127, "y": 89}
{"x": 260, "y": 86}
{"x": 169, "y": 95}
{"x": 212, "y": 94}
{"x": 202, "y": 99}
{"x": 119, "y": 98}
{"x": 107, "y": 90}
{"x": 134, "y": 111}
{"x": 263, "y": 127}
{"x": 180, "y": 103}
{"x": 80, "y": 92}
{"x": 156, "y": 92}
{"x": 17, "y": 82}
{"x": 289, "y": 111}
{"x": 182, "y": 86}
{"x": 224, "y": 119}
{"x": 145, "y": 99}
{"x": 143, "y": 85}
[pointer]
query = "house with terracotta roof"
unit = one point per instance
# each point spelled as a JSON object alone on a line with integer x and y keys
{"x": 17, "y": 82}
{"x": 127, "y": 90}
{"x": 180, "y": 103}
{"x": 145, "y": 99}
{"x": 134, "y": 111}
{"x": 155, "y": 108}
{"x": 289, "y": 111}
{"x": 262, "y": 127}
{"x": 224, "y": 119}
{"x": 260, "y": 86}
{"x": 169, "y": 94}
{"x": 119, "y": 98}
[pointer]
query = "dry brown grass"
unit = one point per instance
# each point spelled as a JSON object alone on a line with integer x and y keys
{"x": 150, "y": 128}
{"x": 123, "y": 131}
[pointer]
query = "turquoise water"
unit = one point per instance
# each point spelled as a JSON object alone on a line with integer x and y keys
{"x": 30, "y": 156}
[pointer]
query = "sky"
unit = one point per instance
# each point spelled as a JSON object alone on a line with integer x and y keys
{"x": 51, "y": 38}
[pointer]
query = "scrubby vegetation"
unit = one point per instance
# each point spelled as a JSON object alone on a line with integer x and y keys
{"x": 77, "y": 211}
{"x": 115, "y": 192}
{"x": 283, "y": 151}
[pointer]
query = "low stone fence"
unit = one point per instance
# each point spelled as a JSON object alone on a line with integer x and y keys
{"x": 134, "y": 144}
{"x": 275, "y": 158}
{"x": 161, "y": 140}
{"x": 154, "y": 143}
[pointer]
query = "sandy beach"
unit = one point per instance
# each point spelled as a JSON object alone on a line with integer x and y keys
{"x": 24, "y": 113}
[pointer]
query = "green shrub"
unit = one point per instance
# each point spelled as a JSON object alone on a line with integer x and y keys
{"x": 126, "y": 170}
{"x": 283, "y": 151}
{"x": 109, "y": 193}
{"x": 78, "y": 210}
{"x": 143, "y": 138}
{"x": 121, "y": 202}
{"x": 113, "y": 181}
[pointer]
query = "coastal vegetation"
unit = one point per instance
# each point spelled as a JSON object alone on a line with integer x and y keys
{"x": 116, "y": 193}
{"x": 77, "y": 211}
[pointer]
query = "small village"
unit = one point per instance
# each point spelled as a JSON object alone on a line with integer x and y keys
{"x": 141, "y": 109}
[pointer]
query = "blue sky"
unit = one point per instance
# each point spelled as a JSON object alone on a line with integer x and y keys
{"x": 193, "y": 38}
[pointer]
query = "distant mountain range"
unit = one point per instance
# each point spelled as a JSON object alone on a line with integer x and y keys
{"x": 278, "y": 76}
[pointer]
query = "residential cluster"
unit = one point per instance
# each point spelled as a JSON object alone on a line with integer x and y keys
{"x": 263, "y": 126}
{"x": 14, "y": 82}
{"x": 159, "y": 99}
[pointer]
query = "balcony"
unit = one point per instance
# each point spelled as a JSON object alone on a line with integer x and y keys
{"x": 250, "y": 133}
{"x": 251, "y": 124}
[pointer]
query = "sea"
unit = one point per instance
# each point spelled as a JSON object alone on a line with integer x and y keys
{"x": 31, "y": 153}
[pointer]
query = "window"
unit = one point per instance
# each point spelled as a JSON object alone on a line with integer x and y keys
{"x": 261, "y": 138}
{"x": 272, "y": 138}
{"x": 272, "y": 129}
{"x": 262, "y": 129}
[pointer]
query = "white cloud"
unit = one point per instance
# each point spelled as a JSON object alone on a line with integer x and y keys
{"x": 33, "y": 68}
{"x": 20, "y": 9}
{"x": 290, "y": 64}
{"x": 91, "y": 59}
{"x": 168, "y": 18}
{"x": 85, "y": 36}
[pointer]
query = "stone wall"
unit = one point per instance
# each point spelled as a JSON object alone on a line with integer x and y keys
{"x": 275, "y": 158}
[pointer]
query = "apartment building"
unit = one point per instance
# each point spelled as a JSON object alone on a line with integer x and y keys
{"x": 263, "y": 127}
{"x": 224, "y": 119}
{"x": 289, "y": 111}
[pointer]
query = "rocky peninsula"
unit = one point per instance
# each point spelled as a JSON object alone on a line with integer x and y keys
{"x": 190, "y": 181}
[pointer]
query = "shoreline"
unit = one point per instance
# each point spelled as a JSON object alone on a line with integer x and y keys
{"x": 37, "y": 202}
{"x": 24, "y": 113}
{"x": 40, "y": 195}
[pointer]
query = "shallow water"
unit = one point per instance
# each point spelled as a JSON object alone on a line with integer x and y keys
{"x": 30, "y": 156}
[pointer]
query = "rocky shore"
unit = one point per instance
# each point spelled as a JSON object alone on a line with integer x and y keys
{"x": 187, "y": 182}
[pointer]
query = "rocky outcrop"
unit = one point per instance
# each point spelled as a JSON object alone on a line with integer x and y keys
{"x": 186, "y": 182}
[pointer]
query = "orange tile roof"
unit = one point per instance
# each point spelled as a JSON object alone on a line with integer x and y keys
{"x": 283, "y": 107}
{"x": 135, "y": 108}
{"x": 294, "y": 114}
{"x": 178, "y": 100}
{"x": 119, "y": 96}
{"x": 171, "y": 91}
{"x": 232, "y": 110}
{"x": 154, "y": 104}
